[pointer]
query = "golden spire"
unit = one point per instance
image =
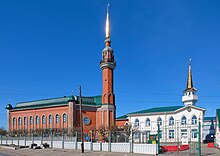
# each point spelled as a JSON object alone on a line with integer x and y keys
{"x": 107, "y": 24}
{"x": 189, "y": 78}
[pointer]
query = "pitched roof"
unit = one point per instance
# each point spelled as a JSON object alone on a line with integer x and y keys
{"x": 123, "y": 117}
{"x": 94, "y": 101}
{"x": 158, "y": 109}
{"x": 208, "y": 118}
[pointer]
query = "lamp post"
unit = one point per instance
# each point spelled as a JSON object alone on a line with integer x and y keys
{"x": 81, "y": 120}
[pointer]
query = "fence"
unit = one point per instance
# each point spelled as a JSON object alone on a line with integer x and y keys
{"x": 117, "y": 141}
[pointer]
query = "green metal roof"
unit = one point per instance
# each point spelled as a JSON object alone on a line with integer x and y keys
{"x": 123, "y": 117}
{"x": 218, "y": 116}
{"x": 94, "y": 101}
{"x": 209, "y": 118}
{"x": 158, "y": 109}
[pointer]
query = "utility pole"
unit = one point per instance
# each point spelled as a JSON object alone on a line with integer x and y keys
{"x": 81, "y": 120}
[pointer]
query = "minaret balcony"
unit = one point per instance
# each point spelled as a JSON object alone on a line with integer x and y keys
{"x": 188, "y": 98}
{"x": 107, "y": 64}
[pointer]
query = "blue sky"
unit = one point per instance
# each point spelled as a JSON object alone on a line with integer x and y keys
{"x": 49, "y": 48}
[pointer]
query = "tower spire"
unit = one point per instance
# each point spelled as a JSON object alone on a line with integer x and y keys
{"x": 189, "y": 84}
{"x": 189, "y": 97}
{"x": 107, "y": 24}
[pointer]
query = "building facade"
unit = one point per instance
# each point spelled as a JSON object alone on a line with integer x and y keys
{"x": 173, "y": 122}
{"x": 64, "y": 112}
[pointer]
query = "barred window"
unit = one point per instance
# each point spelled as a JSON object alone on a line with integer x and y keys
{"x": 183, "y": 120}
{"x": 57, "y": 119}
{"x": 136, "y": 123}
{"x": 194, "y": 120}
{"x": 64, "y": 117}
{"x": 43, "y": 119}
{"x": 171, "y": 121}
{"x": 148, "y": 122}
{"x": 31, "y": 120}
{"x": 50, "y": 119}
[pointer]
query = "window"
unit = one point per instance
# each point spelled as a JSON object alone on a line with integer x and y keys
{"x": 171, "y": 121}
{"x": 31, "y": 120}
{"x": 171, "y": 134}
{"x": 50, "y": 119}
{"x": 19, "y": 121}
{"x": 183, "y": 132}
{"x": 37, "y": 120}
{"x": 14, "y": 121}
{"x": 194, "y": 133}
{"x": 57, "y": 118}
{"x": 159, "y": 121}
{"x": 43, "y": 119}
{"x": 136, "y": 123}
{"x": 194, "y": 120}
{"x": 148, "y": 122}
{"x": 25, "y": 120}
{"x": 64, "y": 117}
{"x": 148, "y": 134}
{"x": 183, "y": 120}
{"x": 137, "y": 135}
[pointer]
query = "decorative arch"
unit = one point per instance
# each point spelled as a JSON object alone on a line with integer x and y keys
{"x": 64, "y": 118}
{"x": 147, "y": 122}
{"x": 136, "y": 122}
{"x": 57, "y": 117}
{"x": 171, "y": 121}
{"x": 50, "y": 119}
{"x": 194, "y": 120}
{"x": 159, "y": 121}
{"x": 44, "y": 120}
{"x": 183, "y": 120}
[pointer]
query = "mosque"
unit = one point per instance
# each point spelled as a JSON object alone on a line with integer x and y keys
{"x": 64, "y": 112}
{"x": 100, "y": 111}
{"x": 173, "y": 122}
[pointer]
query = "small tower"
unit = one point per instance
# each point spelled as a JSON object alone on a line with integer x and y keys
{"x": 106, "y": 115}
{"x": 189, "y": 94}
{"x": 9, "y": 107}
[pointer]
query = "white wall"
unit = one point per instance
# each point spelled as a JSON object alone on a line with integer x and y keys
{"x": 165, "y": 122}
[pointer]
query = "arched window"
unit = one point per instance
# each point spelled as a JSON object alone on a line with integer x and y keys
{"x": 43, "y": 119}
{"x": 25, "y": 120}
{"x": 64, "y": 117}
{"x": 194, "y": 120}
{"x": 31, "y": 120}
{"x": 37, "y": 120}
{"x": 19, "y": 120}
{"x": 171, "y": 121}
{"x": 14, "y": 121}
{"x": 57, "y": 118}
{"x": 183, "y": 120}
{"x": 50, "y": 119}
{"x": 148, "y": 122}
{"x": 159, "y": 121}
{"x": 136, "y": 123}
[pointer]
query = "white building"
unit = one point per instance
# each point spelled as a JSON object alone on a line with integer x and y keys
{"x": 217, "y": 130}
{"x": 174, "y": 121}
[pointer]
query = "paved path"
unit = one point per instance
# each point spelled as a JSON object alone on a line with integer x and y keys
{"x": 65, "y": 152}
{"x": 60, "y": 152}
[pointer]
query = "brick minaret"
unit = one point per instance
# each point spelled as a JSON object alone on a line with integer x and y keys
{"x": 106, "y": 114}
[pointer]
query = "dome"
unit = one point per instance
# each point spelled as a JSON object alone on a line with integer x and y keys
{"x": 8, "y": 106}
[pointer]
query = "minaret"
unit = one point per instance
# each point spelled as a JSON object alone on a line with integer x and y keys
{"x": 189, "y": 97}
{"x": 107, "y": 64}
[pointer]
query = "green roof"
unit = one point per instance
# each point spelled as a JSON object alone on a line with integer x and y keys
{"x": 209, "y": 118}
{"x": 218, "y": 116}
{"x": 158, "y": 109}
{"x": 123, "y": 117}
{"x": 94, "y": 101}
